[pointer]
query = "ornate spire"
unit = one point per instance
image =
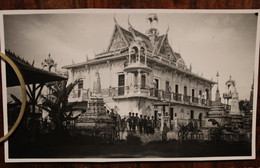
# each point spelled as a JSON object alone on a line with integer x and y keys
{"x": 217, "y": 79}
{"x": 97, "y": 84}
{"x": 152, "y": 31}
{"x": 217, "y": 98}
{"x": 49, "y": 63}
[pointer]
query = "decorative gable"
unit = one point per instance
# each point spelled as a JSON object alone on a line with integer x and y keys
{"x": 117, "y": 41}
{"x": 165, "y": 50}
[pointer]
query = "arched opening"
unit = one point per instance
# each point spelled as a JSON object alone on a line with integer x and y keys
{"x": 134, "y": 55}
{"x": 142, "y": 56}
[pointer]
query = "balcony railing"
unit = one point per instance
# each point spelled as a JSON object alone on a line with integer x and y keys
{"x": 186, "y": 98}
{"x": 227, "y": 95}
{"x": 177, "y": 97}
{"x": 195, "y": 100}
{"x": 145, "y": 91}
{"x": 166, "y": 95}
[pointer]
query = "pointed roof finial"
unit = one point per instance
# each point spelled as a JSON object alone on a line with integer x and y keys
{"x": 252, "y": 87}
{"x": 190, "y": 67}
{"x": 115, "y": 19}
{"x": 131, "y": 29}
{"x": 87, "y": 57}
{"x": 167, "y": 30}
{"x": 129, "y": 24}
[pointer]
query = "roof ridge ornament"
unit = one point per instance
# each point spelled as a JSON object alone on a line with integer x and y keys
{"x": 130, "y": 28}
{"x": 168, "y": 28}
{"x": 115, "y": 19}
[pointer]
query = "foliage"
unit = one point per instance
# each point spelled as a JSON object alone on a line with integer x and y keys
{"x": 57, "y": 104}
{"x": 245, "y": 105}
{"x": 216, "y": 132}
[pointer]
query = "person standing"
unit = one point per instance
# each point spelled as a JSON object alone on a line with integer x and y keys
{"x": 141, "y": 120}
{"x": 145, "y": 124}
{"x": 133, "y": 122}
{"x": 153, "y": 125}
{"x": 129, "y": 121}
{"x": 164, "y": 132}
{"x": 136, "y": 121}
{"x": 149, "y": 125}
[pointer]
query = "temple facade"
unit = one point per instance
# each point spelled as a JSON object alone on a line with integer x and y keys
{"x": 141, "y": 73}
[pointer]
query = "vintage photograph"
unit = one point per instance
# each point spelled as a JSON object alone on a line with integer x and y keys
{"x": 131, "y": 85}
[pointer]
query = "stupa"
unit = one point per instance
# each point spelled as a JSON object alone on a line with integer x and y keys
{"x": 218, "y": 111}
{"x": 95, "y": 116}
{"x": 231, "y": 98}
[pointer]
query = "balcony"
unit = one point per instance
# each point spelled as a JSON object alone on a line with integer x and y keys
{"x": 227, "y": 95}
{"x": 177, "y": 97}
{"x": 186, "y": 99}
{"x": 195, "y": 100}
{"x": 122, "y": 92}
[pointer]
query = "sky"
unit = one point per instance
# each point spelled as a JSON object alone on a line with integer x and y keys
{"x": 210, "y": 42}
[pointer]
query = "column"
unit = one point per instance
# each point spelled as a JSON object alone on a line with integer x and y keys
{"x": 139, "y": 56}
{"x": 126, "y": 83}
{"x": 139, "y": 79}
{"x": 145, "y": 58}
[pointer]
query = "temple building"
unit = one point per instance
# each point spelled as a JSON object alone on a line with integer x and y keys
{"x": 141, "y": 73}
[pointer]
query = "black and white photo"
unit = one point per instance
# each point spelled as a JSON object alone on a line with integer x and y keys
{"x": 131, "y": 85}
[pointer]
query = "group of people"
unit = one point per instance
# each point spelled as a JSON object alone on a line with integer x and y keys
{"x": 143, "y": 124}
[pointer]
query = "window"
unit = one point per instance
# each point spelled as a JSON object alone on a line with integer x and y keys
{"x": 80, "y": 84}
{"x": 143, "y": 81}
{"x": 192, "y": 114}
{"x": 200, "y": 93}
{"x": 167, "y": 86}
{"x": 207, "y": 93}
{"x": 156, "y": 87}
{"x": 80, "y": 87}
{"x": 193, "y": 92}
{"x": 185, "y": 91}
{"x": 176, "y": 88}
{"x": 121, "y": 84}
{"x": 156, "y": 83}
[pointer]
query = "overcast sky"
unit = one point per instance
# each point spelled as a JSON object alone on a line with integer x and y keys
{"x": 210, "y": 42}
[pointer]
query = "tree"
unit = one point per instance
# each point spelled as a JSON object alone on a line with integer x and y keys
{"x": 56, "y": 104}
{"x": 216, "y": 132}
{"x": 245, "y": 105}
